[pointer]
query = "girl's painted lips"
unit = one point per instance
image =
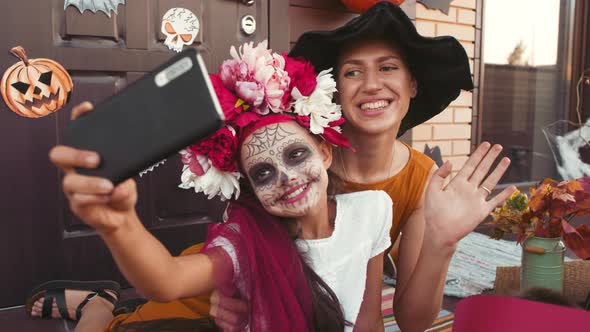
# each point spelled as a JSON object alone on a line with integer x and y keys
{"x": 296, "y": 193}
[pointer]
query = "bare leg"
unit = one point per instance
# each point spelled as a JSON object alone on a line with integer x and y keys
{"x": 96, "y": 315}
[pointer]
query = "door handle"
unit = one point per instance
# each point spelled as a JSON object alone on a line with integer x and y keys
{"x": 248, "y": 2}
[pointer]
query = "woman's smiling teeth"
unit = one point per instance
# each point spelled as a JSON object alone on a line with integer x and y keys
{"x": 374, "y": 105}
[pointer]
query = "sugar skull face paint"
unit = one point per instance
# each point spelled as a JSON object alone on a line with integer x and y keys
{"x": 286, "y": 168}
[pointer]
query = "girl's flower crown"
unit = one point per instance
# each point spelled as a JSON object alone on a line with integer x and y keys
{"x": 259, "y": 84}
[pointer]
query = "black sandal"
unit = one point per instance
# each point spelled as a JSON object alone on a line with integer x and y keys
{"x": 56, "y": 290}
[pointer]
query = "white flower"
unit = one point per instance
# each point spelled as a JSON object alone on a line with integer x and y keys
{"x": 326, "y": 83}
{"x": 318, "y": 105}
{"x": 214, "y": 182}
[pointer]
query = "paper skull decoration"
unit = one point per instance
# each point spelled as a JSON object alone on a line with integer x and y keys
{"x": 361, "y": 6}
{"x": 181, "y": 27}
{"x": 35, "y": 87}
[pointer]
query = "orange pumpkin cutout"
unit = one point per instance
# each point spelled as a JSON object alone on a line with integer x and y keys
{"x": 361, "y": 6}
{"x": 36, "y": 87}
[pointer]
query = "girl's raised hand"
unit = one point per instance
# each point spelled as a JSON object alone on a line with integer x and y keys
{"x": 454, "y": 210}
{"x": 94, "y": 200}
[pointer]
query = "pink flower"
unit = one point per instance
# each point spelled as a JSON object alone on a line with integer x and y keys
{"x": 257, "y": 76}
{"x": 198, "y": 164}
{"x": 258, "y": 59}
{"x": 276, "y": 82}
{"x": 232, "y": 71}
{"x": 251, "y": 92}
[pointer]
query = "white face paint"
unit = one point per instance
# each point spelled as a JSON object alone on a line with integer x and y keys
{"x": 181, "y": 27}
{"x": 285, "y": 168}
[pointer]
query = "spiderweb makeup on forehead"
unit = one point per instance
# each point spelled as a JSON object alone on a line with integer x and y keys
{"x": 261, "y": 141}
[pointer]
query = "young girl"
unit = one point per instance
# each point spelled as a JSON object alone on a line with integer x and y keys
{"x": 276, "y": 149}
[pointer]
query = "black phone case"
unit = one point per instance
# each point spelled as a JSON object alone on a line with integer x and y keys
{"x": 151, "y": 119}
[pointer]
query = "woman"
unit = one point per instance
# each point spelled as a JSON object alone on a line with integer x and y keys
{"x": 391, "y": 79}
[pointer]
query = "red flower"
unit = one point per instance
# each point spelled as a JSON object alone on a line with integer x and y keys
{"x": 302, "y": 75}
{"x": 228, "y": 101}
{"x": 221, "y": 148}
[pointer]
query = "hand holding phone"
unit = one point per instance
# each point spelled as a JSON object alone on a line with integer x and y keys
{"x": 168, "y": 109}
{"x": 93, "y": 199}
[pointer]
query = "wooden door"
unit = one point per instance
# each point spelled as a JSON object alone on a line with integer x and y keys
{"x": 39, "y": 238}
{"x": 585, "y": 67}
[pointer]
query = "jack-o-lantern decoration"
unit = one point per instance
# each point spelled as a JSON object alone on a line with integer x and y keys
{"x": 35, "y": 87}
{"x": 361, "y": 6}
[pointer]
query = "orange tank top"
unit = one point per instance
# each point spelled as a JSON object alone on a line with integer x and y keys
{"x": 405, "y": 188}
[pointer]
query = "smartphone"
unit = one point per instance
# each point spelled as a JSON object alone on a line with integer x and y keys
{"x": 163, "y": 112}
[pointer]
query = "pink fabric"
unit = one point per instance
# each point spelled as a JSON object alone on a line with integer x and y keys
{"x": 270, "y": 266}
{"x": 507, "y": 314}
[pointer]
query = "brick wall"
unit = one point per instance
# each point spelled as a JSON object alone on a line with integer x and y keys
{"x": 452, "y": 130}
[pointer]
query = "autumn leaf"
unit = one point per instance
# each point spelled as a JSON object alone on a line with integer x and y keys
{"x": 577, "y": 239}
{"x": 583, "y": 202}
{"x": 563, "y": 196}
{"x": 537, "y": 201}
{"x": 585, "y": 182}
{"x": 548, "y": 181}
{"x": 572, "y": 186}
{"x": 559, "y": 208}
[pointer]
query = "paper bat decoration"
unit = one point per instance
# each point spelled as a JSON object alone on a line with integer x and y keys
{"x": 442, "y": 5}
{"x": 104, "y": 6}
